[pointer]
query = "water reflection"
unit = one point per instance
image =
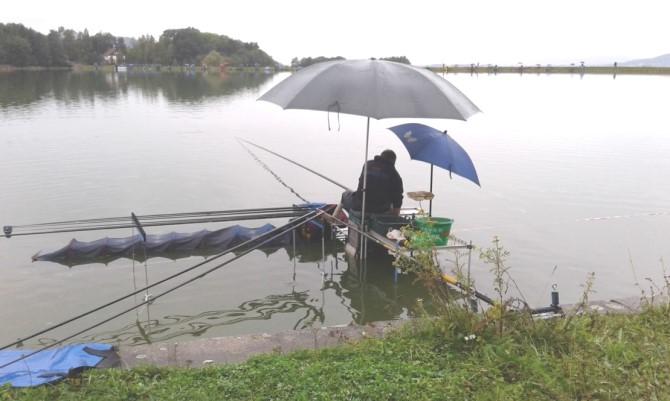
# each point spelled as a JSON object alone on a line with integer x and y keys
{"x": 376, "y": 291}
{"x": 370, "y": 292}
{"x": 23, "y": 89}
{"x": 172, "y": 326}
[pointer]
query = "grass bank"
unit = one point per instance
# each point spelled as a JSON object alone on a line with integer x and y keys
{"x": 603, "y": 357}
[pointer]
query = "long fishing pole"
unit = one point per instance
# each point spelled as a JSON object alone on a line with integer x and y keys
{"x": 159, "y": 216}
{"x": 315, "y": 214}
{"x": 152, "y": 220}
{"x": 296, "y": 163}
{"x": 156, "y": 224}
{"x": 291, "y": 225}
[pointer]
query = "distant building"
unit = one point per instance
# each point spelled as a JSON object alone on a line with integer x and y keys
{"x": 113, "y": 56}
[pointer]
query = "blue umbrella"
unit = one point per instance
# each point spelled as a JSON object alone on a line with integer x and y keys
{"x": 437, "y": 148}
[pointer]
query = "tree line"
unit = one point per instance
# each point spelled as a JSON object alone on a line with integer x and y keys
{"x": 190, "y": 46}
{"x": 21, "y": 46}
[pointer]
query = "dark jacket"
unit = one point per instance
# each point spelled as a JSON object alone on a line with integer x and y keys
{"x": 384, "y": 187}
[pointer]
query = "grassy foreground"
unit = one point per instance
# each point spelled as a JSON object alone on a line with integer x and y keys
{"x": 590, "y": 357}
{"x": 501, "y": 354}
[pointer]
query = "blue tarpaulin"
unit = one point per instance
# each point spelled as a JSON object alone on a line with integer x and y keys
{"x": 49, "y": 365}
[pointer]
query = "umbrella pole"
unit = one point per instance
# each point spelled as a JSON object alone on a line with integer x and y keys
{"x": 363, "y": 245}
{"x": 430, "y": 201}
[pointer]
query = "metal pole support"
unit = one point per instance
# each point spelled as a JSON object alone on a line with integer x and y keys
{"x": 294, "y": 254}
{"x": 554, "y": 296}
{"x": 139, "y": 227}
{"x": 430, "y": 201}
{"x": 469, "y": 261}
{"x": 365, "y": 189}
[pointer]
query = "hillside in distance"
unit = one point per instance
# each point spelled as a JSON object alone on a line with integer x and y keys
{"x": 21, "y": 46}
{"x": 660, "y": 61}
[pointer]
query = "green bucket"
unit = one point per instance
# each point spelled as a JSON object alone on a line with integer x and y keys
{"x": 437, "y": 228}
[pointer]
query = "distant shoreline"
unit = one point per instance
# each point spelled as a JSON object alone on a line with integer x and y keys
{"x": 448, "y": 69}
{"x": 10, "y": 68}
{"x": 147, "y": 68}
{"x": 602, "y": 70}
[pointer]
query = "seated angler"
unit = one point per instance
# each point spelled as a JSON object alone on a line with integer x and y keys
{"x": 384, "y": 187}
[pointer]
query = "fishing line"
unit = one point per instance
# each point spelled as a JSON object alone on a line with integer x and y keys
{"x": 624, "y": 216}
{"x": 576, "y": 220}
{"x": 297, "y": 164}
{"x": 314, "y": 215}
{"x": 275, "y": 175}
{"x": 292, "y": 225}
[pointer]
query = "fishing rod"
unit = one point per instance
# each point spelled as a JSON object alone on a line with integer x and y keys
{"x": 291, "y": 225}
{"x": 111, "y": 223}
{"x": 162, "y": 216}
{"x": 296, "y": 163}
{"x": 315, "y": 214}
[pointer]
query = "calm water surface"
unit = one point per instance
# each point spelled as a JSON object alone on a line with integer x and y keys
{"x": 573, "y": 171}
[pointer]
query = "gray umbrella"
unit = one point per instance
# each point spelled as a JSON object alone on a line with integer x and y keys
{"x": 374, "y": 89}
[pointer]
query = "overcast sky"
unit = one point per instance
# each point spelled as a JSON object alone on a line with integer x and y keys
{"x": 426, "y": 31}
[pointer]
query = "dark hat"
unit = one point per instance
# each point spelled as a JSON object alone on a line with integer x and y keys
{"x": 389, "y": 155}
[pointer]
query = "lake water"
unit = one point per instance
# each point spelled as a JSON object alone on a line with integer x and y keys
{"x": 574, "y": 174}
